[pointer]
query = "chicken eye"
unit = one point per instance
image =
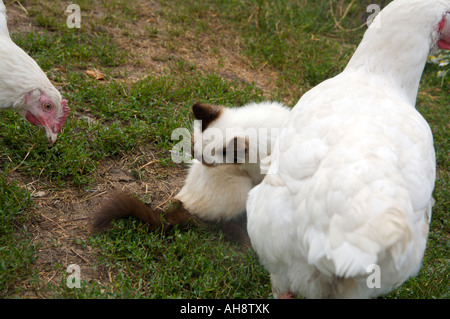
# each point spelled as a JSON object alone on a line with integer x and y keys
{"x": 47, "y": 106}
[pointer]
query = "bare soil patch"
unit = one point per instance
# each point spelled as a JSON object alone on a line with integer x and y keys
{"x": 217, "y": 51}
{"x": 61, "y": 223}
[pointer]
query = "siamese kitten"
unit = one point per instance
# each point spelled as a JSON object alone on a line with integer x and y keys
{"x": 232, "y": 148}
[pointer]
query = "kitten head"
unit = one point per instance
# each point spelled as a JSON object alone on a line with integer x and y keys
{"x": 218, "y": 139}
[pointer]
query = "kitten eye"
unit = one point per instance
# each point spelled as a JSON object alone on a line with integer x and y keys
{"x": 47, "y": 106}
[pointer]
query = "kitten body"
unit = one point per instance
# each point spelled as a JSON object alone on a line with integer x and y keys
{"x": 234, "y": 152}
{"x": 232, "y": 148}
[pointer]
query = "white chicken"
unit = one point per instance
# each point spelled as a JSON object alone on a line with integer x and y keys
{"x": 349, "y": 190}
{"x": 24, "y": 87}
{"x": 3, "y": 23}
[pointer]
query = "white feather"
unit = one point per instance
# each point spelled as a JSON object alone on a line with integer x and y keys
{"x": 19, "y": 74}
{"x": 220, "y": 192}
{"x": 3, "y": 20}
{"x": 355, "y": 169}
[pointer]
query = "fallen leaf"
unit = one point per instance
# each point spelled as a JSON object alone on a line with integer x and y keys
{"x": 96, "y": 74}
{"x": 39, "y": 194}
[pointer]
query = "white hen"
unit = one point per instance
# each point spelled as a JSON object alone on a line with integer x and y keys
{"x": 25, "y": 88}
{"x": 3, "y": 23}
{"x": 351, "y": 182}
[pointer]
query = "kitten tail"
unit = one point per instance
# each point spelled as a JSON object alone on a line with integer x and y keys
{"x": 121, "y": 205}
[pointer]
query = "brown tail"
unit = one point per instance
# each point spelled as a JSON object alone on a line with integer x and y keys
{"x": 122, "y": 205}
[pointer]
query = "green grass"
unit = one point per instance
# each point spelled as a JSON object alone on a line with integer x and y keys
{"x": 174, "y": 265}
{"x": 114, "y": 118}
{"x": 16, "y": 254}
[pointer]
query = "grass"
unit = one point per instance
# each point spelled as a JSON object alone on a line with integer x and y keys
{"x": 174, "y": 266}
{"x": 298, "y": 40}
{"x": 17, "y": 255}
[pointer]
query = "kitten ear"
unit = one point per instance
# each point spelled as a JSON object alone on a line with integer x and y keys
{"x": 207, "y": 113}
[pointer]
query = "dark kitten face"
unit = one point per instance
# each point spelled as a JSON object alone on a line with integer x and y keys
{"x": 216, "y": 147}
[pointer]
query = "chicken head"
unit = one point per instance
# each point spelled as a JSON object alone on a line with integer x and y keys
{"x": 46, "y": 110}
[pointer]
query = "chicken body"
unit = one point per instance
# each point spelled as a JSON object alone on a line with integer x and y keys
{"x": 350, "y": 184}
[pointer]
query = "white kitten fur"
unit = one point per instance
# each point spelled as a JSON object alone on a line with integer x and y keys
{"x": 218, "y": 190}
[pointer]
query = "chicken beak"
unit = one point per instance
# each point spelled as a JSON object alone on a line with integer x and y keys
{"x": 51, "y": 137}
